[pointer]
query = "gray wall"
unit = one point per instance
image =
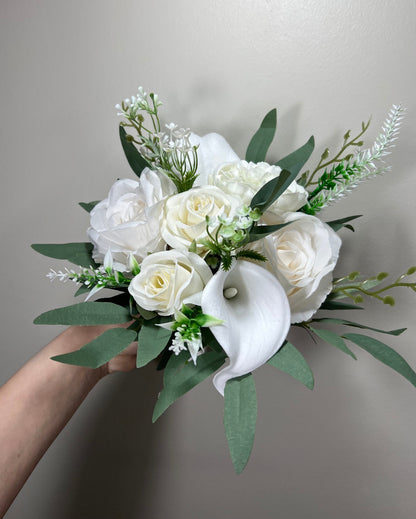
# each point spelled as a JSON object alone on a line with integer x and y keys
{"x": 344, "y": 450}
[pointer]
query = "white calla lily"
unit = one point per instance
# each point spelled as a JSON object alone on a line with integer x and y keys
{"x": 256, "y": 317}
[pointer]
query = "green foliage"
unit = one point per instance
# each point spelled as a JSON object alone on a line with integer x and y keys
{"x": 295, "y": 161}
{"x": 271, "y": 191}
{"x": 258, "y": 232}
{"x": 330, "y": 304}
{"x": 100, "y": 350}
{"x": 240, "y": 415}
{"x": 250, "y": 254}
{"x": 292, "y": 362}
{"x": 260, "y": 143}
{"x": 77, "y": 253}
{"x": 152, "y": 341}
{"x": 180, "y": 379}
{"x": 336, "y": 225}
{"x": 89, "y": 206}
{"x": 83, "y": 314}
{"x": 396, "y": 332}
{"x": 334, "y": 339}
{"x": 135, "y": 160}
{"x": 384, "y": 354}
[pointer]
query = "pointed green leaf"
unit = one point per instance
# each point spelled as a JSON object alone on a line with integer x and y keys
{"x": 292, "y": 362}
{"x": 258, "y": 232}
{"x": 330, "y": 304}
{"x": 336, "y": 225}
{"x": 152, "y": 341}
{"x": 271, "y": 191}
{"x": 77, "y": 253}
{"x": 89, "y": 206}
{"x": 100, "y": 350}
{"x": 384, "y": 354}
{"x": 295, "y": 161}
{"x": 260, "y": 143}
{"x": 136, "y": 161}
{"x": 83, "y": 289}
{"x": 332, "y": 338}
{"x": 398, "y": 331}
{"x": 186, "y": 378}
{"x": 240, "y": 415}
{"x": 83, "y": 314}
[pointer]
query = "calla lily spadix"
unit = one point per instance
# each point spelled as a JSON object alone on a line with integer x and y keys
{"x": 256, "y": 319}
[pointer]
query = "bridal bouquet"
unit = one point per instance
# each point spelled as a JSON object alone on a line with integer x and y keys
{"x": 212, "y": 258}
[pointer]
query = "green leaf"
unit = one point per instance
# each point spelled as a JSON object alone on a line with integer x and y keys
{"x": 357, "y": 325}
{"x": 295, "y": 161}
{"x": 83, "y": 289}
{"x": 292, "y": 362}
{"x": 88, "y": 313}
{"x": 89, "y": 206}
{"x": 100, "y": 350}
{"x": 271, "y": 191}
{"x": 384, "y": 354}
{"x": 136, "y": 161}
{"x": 336, "y": 225}
{"x": 260, "y": 143}
{"x": 332, "y": 338}
{"x": 258, "y": 232}
{"x": 329, "y": 304}
{"x": 152, "y": 341}
{"x": 177, "y": 383}
{"x": 240, "y": 415}
{"x": 77, "y": 253}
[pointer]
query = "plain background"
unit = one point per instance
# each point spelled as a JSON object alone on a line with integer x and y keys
{"x": 346, "y": 449}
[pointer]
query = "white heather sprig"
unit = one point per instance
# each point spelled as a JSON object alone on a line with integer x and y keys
{"x": 91, "y": 278}
{"x": 345, "y": 176}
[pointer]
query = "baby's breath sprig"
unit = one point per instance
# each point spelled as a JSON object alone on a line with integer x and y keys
{"x": 346, "y": 175}
{"x": 170, "y": 152}
{"x": 230, "y": 235}
{"x": 354, "y": 288}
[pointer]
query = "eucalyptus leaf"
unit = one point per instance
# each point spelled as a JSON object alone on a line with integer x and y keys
{"x": 152, "y": 341}
{"x": 271, "y": 191}
{"x": 77, "y": 253}
{"x": 83, "y": 289}
{"x": 295, "y": 161}
{"x": 258, "y": 232}
{"x": 88, "y": 206}
{"x": 292, "y": 362}
{"x": 334, "y": 339}
{"x": 240, "y": 415}
{"x": 136, "y": 161}
{"x": 336, "y": 225}
{"x": 260, "y": 143}
{"x": 330, "y": 304}
{"x": 384, "y": 354}
{"x": 186, "y": 378}
{"x": 398, "y": 331}
{"x": 102, "y": 349}
{"x": 83, "y": 314}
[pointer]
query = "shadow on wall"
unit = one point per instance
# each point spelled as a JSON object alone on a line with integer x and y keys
{"x": 112, "y": 474}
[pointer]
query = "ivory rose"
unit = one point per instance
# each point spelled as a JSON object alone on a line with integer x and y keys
{"x": 303, "y": 255}
{"x": 183, "y": 218}
{"x": 127, "y": 222}
{"x": 167, "y": 279}
{"x": 243, "y": 179}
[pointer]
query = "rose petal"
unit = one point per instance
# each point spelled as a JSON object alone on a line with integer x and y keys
{"x": 256, "y": 320}
{"x": 213, "y": 151}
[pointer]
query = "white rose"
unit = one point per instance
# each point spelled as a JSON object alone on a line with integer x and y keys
{"x": 243, "y": 179}
{"x": 127, "y": 222}
{"x": 167, "y": 279}
{"x": 183, "y": 215}
{"x": 303, "y": 255}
